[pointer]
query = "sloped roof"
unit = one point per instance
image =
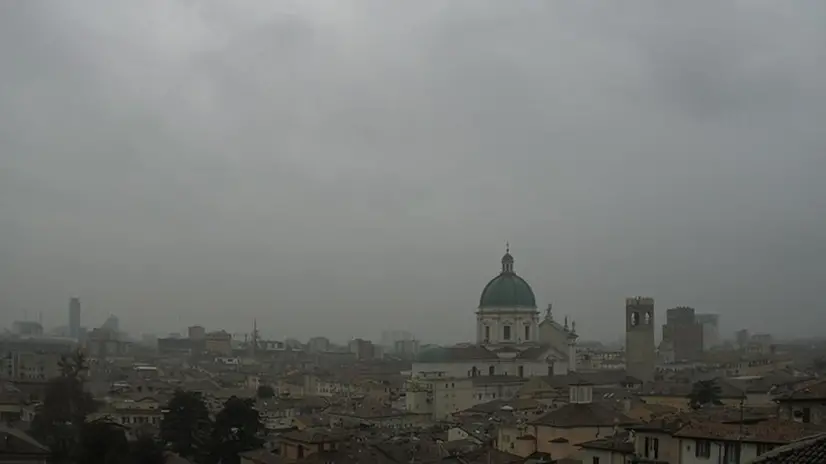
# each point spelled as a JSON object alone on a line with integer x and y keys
{"x": 810, "y": 450}
{"x": 584, "y": 415}
{"x": 768, "y": 431}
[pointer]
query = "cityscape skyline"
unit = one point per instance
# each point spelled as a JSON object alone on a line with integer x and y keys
{"x": 185, "y": 178}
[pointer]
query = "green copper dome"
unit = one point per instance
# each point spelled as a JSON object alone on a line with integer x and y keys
{"x": 507, "y": 290}
{"x": 436, "y": 354}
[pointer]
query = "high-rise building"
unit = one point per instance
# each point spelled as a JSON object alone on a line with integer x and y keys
{"x": 196, "y": 332}
{"x": 74, "y": 318}
{"x": 683, "y": 334}
{"x": 742, "y": 338}
{"x": 640, "y": 354}
{"x": 711, "y": 330}
{"x": 390, "y": 337}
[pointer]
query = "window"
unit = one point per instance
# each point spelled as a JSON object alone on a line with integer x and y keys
{"x": 595, "y": 460}
{"x": 635, "y": 319}
{"x": 647, "y": 447}
{"x": 491, "y": 370}
{"x": 656, "y": 448}
{"x": 763, "y": 448}
{"x": 731, "y": 453}
{"x": 487, "y": 333}
{"x": 521, "y": 371}
{"x": 527, "y": 333}
{"x": 506, "y": 332}
{"x": 702, "y": 449}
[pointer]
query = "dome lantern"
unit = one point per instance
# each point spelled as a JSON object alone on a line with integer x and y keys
{"x": 507, "y": 290}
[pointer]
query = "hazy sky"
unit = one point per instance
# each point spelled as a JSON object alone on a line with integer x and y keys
{"x": 344, "y": 167}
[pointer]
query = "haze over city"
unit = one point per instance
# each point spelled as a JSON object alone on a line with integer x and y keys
{"x": 339, "y": 169}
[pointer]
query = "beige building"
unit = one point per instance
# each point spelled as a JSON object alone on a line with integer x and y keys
{"x": 694, "y": 439}
{"x": 300, "y": 444}
{"x": 511, "y": 340}
{"x": 30, "y": 365}
{"x": 219, "y": 343}
{"x": 561, "y": 431}
{"x": 805, "y": 404}
{"x": 375, "y": 415}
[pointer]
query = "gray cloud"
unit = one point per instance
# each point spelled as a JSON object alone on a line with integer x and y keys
{"x": 340, "y": 169}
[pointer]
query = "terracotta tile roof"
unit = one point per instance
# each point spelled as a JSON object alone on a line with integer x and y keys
{"x": 513, "y": 404}
{"x": 806, "y": 391}
{"x": 810, "y": 450}
{"x": 584, "y": 415}
{"x": 683, "y": 389}
{"x": 371, "y": 412}
{"x": 314, "y": 436}
{"x": 768, "y": 431}
{"x": 620, "y": 443}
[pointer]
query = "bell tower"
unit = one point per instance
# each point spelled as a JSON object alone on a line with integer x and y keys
{"x": 640, "y": 355}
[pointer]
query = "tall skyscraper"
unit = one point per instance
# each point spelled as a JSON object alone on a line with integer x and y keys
{"x": 711, "y": 330}
{"x": 74, "y": 318}
{"x": 640, "y": 354}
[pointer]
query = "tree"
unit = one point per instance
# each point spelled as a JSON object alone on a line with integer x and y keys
{"x": 102, "y": 442}
{"x": 238, "y": 428}
{"x": 265, "y": 392}
{"x": 186, "y": 425}
{"x": 146, "y": 449}
{"x": 59, "y": 421}
{"x": 705, "y": 392}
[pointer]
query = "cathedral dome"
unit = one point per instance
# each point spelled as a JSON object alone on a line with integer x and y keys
{"x": 507, "y": 290}
{"x": 436, "y": 354}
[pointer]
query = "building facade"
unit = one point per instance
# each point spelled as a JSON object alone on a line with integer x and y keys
{"x": 640, "y": 354}
{"x": 512, "y": 344}
{"x": 683, "y": 334}
{"x": 711, "y": 330}
{"x": 74, "y": 318}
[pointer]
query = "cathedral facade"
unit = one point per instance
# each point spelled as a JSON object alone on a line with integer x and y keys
{"x": 512, "y": 340}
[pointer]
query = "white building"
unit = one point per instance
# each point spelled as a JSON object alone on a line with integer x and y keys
{"x": 512, "y": 343}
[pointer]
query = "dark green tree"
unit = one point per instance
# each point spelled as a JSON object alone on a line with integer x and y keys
{"x": 59, "y": 421}
{"x": 102, "y": 442}
{"x": 704, "y": 393}
{"x": 186, "y": 425}
{"x": 265, "y": 392}
{"x": 146, "y": 449}
{"x": 238, "y": 428}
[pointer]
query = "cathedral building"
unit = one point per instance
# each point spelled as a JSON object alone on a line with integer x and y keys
{"x": 512, "y": 343}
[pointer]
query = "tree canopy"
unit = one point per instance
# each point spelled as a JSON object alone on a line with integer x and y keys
{"x": 59, "y": 421}
{"x": 265, "y": 392}
{"x": 704, "y": 393}
{"x": 238, "y": 428}
{"x": 186, "y": 425}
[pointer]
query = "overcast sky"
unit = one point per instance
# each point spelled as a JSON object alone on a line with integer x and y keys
{"x": 344, "y": 167}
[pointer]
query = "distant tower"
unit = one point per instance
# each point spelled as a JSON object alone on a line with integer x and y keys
{"x": 572, "y": 336}
{"x": 640, "y": 355}
{"x": 74, "y": 318}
